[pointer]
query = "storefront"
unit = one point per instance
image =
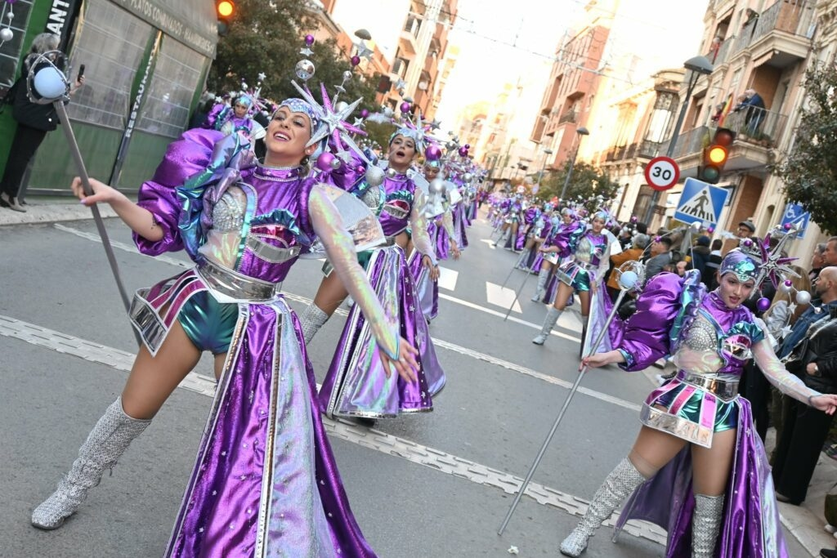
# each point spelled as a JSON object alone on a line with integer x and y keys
{"x": 145, "y": 65}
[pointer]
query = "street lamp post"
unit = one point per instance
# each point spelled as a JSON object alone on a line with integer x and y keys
{"x": 582, "y": 131}
{"x": 546, "y": 153}
{"x": 699, "y": 66}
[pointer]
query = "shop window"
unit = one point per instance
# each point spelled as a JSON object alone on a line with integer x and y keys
{"x": 110, "y": 44}
{"x": 176, "y": 76}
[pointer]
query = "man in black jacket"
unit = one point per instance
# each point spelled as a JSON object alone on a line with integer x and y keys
{"x": 812, "y": 355}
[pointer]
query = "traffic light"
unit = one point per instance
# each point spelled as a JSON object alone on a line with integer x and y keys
{"x": 715, "y": 156}
{"x": 225, "y": 10}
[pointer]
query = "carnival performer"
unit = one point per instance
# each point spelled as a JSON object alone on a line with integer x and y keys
{"x": 236, "y": 117}
{"x": 511, "y": 224}
{"x": 585, "y": 252}
{"x": 440, "y": 231}
{"x": 244, "y": 226}
{"x": 356, "y": 385}
{"x": 547, "y": 260}
{"x": 698, "y": 468}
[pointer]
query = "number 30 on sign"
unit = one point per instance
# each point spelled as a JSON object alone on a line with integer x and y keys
{"x": 662, "y": 173}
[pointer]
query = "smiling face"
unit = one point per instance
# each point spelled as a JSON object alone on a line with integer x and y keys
{"x": 733, "y": 291}
{"x": 598, "y": 225}
{"x": 401, "y": 152}
{"x": 287, "y": 134}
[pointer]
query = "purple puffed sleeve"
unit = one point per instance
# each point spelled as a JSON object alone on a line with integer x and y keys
{"x": 185, "y": 157}
{"x": 646, "y": 335}
{"x": 566, "y": 239}
{"x": 212, "y": 117}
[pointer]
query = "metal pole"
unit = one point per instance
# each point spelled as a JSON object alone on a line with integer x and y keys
{"x": 517, "y": 295}
{"x": 569, "y": 174}
{"x": 97, "y": 217}
{"x": 581, "y": 373}
{"x": 673, "y": 142}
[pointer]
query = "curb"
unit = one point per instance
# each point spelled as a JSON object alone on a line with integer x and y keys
{"x": 44, "y": 213}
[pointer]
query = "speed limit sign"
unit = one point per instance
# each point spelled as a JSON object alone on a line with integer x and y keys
{"x": 662, "y": 173}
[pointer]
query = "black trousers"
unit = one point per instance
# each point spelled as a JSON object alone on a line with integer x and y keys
{"x": 755, "y": 387}
{"x": 803, "y": 435}
{"x": 26, "y": 143}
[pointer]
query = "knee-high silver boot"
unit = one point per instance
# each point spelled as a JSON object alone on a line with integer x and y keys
{"x": 618, "y": 485}
{"x": 706, "y": 523}
{"x": 552, "y": 316}
{"x": 312, "y": 320}
{"x": 543, "y": 277}
{"x": 104, "y": 445}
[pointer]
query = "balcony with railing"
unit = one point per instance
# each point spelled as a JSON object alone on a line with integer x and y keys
{"x": 408, "y": 35}
{"x": 745, "y": 37}
{"x": 757, "y": 131}
{"x": 645, "y": 149}
{"x": 570, "y": 116}
{"x": 720, "y": 56}
{"x": 780, "y": 34}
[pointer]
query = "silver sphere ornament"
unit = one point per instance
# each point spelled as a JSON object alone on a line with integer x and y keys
{"x": 6, "y": 34}
{"x": 388, "y": 112}
{"x": 803, "y": 298}
{"x": 467, "y": 177}
{"x": 374, "y": 176}
{"x": 628, "y": 280}
{"x": 304, "y": 69}
{"x": 347, "y": 75}
{"x": 49, "y": 83}
{"x": 391, "y": 173}
{"x": 437, "y": 185}
{"x": 785, "y": 288}
{"x": 340, "y": 106}
{"x": 336, "y": 163}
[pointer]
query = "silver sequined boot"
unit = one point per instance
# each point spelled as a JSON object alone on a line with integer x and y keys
{"x": 312, "y": 320}
{"x": 618, "y": 485}
{"x": 543, "y": 277}
{"x": 105, "y": 444}
{"x": 549, "y": 322}
{"x": 706, "y": 523}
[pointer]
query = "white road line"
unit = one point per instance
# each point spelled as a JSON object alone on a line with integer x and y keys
{"x": 187, "y": 264}
{"x": 438, "y": 342}
{"x": 447, "y": 278}
{"x": 369, "y": 438}
{"x": 489, "y": 242}
{"x": 502, "y": 297}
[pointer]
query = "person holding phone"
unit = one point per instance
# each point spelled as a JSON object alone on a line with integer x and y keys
{"x": 33, "y": 123}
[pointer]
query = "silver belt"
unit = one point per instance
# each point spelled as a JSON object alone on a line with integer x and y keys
{"x": 271, "y": 253}
{"x": 235, "y": 285}
{"x": 724, "y": 389}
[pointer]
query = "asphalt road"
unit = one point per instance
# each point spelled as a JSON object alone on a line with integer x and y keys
{"x": 435, "y": 484}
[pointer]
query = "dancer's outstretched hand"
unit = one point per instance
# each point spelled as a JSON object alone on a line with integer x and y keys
{"x": 825, "y": 403}
{"x": 101, "y": 192}
{"x": 406, "y": 365}
{"x": 432, "y": 270}
{"x": 601, "y": 359}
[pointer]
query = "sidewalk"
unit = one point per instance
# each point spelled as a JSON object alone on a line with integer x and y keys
{"x": 51, "y": 210}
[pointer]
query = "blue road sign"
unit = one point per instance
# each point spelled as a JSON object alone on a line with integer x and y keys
{"x": 700, "y": 201}
{"x": 795, "y": 215}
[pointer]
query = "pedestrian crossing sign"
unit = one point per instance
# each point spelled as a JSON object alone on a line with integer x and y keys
{"x": 700, "y": 201}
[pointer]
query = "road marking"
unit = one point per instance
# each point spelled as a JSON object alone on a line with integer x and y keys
{"x": 489, "y": 242}
{"x": 187, "y": 264}
{"x": 368, "y": 438}
{"x": 502, "y": 297}
{"x": 447, "y": 278}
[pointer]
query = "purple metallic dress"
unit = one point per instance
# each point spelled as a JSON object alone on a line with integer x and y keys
{"x": 710, "y": 343}
{"x": 356, "y": 384}
{"x": 265, "y": 482}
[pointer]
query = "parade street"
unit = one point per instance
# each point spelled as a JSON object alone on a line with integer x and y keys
{"x": 436, "y": 484}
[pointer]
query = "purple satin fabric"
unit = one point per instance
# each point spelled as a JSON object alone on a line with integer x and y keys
{"x": 424, "y": 287}
{"x": 751, "y": 527}
{"x": 600, "y": 307}
{"x": 264, "y": 428}
{"x": 399, "y": 189}
{"x": 459, "y": 226}
{"x": 356, "y": 383}
{"x": 440, "y": 236}
{"x": 646, "y": 331}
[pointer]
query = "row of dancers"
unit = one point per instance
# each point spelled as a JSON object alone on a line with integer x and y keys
{"x": 265, "y": 481}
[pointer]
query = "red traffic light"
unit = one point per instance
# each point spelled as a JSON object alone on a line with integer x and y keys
{"x": 225, "y": 8}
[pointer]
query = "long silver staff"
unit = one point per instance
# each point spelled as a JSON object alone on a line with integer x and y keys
{"x": 628, "y": 280}
{"x": 47, "y": 84}
{"x": 517, "y": 293}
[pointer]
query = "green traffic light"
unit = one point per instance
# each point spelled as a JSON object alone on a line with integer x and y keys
{"x": 710, "y": 174}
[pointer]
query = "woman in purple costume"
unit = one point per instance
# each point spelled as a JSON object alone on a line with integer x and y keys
{"x": 585, "y": 252}
{"x": 356, "y": 385}
{"x": 265, "y": 482}
{"x": 546, "y": 261}
{"x": 440, "y": 230}
{"x": 698, "y": 468}
{"x": 232, "y": 118}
